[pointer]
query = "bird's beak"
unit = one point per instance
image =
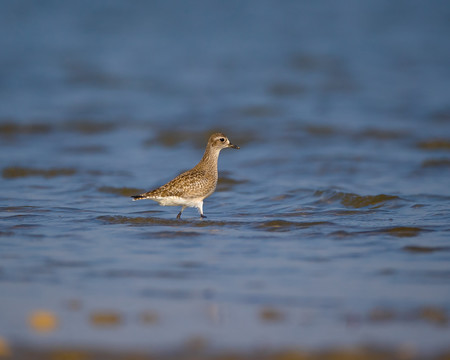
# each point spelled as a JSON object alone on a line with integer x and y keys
{"x": 233, "y": 146}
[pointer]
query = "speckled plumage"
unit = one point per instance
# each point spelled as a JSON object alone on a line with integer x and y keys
{"x": 190, "y": 188}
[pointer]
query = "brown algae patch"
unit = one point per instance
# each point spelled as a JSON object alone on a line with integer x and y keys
{"x": 73, "y": 304}
{"x": 149, "y": 317}
{"x": 427, "y": 313}
{"x": 171, "y": 234}
{"x": 286, "y": 89}
{"x": 434, "y": 315}
{"x": 435, "y": 144}
{"x": 432, "y": 163}
{"x": 105, "y": 318}
{"x": 174, "y": 137}
{"x": 379, "y": 314}
{"x": 5, "y": 350}
{"x": 43, "y": 321}
{"x": 9, "y": 129}
{"x": 271, "y": 315}
{"x": 226, "y": 182}
{"x": 356, "y": 201}
{"x": 398, "y": 231}
{"x": 440, "y": 115}
{"x": 122, "y": 191}
{"x": 87, "y": 127}
{"x": 308, "y": 62}
{"x": 196, "y": 344}
{"x": 382, "y": 134}
{"x": 417, "y": 249}
{"x": 18, "y": 172}
{"x": 403, "y": 231}
{"x": 139, "y": 220}
{"x": 6, "y": 233}
{"x": 284, "y": 225}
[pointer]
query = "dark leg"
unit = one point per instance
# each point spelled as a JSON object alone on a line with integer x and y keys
{"x": 203, "y": 216}
{"x": 179, "y": 214}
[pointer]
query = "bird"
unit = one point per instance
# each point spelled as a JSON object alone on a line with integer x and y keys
{"x": 190, "y": 188}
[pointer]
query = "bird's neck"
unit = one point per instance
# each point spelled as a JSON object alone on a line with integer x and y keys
{"x": 210, "y": 159}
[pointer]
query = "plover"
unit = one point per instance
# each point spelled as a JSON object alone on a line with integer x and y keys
{"x": 190, "y": 188}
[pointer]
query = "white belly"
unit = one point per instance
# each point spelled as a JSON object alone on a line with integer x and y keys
{"x": 177, "y": 201}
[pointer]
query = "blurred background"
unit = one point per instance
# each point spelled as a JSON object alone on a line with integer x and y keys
{"x": 329, "y": 228}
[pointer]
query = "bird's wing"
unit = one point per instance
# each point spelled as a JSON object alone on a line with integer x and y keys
{"x": 190, "y": 184}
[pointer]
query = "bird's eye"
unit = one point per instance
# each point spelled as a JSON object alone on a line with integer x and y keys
{"x": 222, "y": 139}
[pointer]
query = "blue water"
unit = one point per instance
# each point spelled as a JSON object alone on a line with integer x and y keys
{"x": 335, "y": 209}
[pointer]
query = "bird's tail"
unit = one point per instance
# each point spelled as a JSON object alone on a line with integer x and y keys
{"x": 138, "y": 197}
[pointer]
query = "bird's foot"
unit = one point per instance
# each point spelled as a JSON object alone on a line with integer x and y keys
{"x": 179, "y": 215}
{"x": 203, "y": 216}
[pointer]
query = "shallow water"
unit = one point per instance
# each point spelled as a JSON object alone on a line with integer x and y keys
{"x": 329, "y": 227}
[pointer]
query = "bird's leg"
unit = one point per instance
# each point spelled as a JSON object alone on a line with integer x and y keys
{"x": 179, "y": 214}
{"x": 200, "y": 209}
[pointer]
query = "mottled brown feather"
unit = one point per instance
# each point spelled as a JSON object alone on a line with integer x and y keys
{"x": 190, "y": 184}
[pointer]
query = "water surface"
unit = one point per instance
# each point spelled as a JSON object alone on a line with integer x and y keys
{"x": 329, "y": 227}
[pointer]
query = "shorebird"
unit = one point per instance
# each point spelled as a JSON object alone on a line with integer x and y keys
{"x": 190, "y": 188}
